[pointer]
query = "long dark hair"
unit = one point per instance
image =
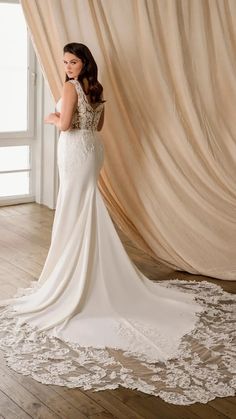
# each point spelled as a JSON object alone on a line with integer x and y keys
{"x": 88, "y": 75}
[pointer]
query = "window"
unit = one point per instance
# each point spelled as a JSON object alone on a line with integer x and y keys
{"x": 13, "y": 68}
{"x": 17, "y": 85}
{"x": 15, "y": 165}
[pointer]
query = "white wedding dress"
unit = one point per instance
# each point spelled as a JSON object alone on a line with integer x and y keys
{"x": 93, "y": 320}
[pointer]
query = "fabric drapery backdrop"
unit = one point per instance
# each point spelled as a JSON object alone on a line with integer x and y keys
{"x": 168, "y": 71}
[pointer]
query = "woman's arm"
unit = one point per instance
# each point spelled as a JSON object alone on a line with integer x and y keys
{"x": 101, "y": 120}
{"x": 69, "y": 102}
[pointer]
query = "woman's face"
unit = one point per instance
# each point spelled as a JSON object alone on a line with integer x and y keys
{"x": 72, "y": 64}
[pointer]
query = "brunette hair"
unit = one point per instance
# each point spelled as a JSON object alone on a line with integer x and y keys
{"x": 89, "y": 72}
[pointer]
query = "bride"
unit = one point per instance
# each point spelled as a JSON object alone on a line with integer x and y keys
{"x": 92, "y": 319}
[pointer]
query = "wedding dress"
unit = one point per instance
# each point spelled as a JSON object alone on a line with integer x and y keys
{"x": 93, "y": 320}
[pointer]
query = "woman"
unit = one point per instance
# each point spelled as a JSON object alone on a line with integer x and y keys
{"x": 92, "y": 319}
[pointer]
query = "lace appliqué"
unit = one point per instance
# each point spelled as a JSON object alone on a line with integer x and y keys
{"x": 154, "y": 344}
{"x": 74, "y": 148}
{"x": 204, "y": 368}
{"x": 85, "y": 116}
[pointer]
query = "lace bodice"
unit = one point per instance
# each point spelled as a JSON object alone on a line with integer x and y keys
{"x": 85, "y": 116}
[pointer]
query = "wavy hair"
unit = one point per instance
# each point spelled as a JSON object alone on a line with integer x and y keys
{"x": 89, "y": 72}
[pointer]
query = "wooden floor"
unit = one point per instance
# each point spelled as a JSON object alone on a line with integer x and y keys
{"x": 25, "y": 232}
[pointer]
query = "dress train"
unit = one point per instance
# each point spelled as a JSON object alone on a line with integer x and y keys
{"x": 93, "y": 320}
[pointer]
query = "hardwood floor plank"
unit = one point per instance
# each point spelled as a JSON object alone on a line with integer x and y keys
{"x": 10, "y": 410}
{"x": 28, "y": 208}
{"x": 226, "y": 406}
{"x": 154, "y": 407}
{"x": 206, "y": 411}
{"x": 134, "y": 399}
{"x": 103, "y": 415}
{"x": 113, "y": 405}
{"x": 19, "y": 395}
{"x": 82, "y": 401}
{"x": 32, "y": 230}
{"x": 19, "y": 258}
{"x": 13, "y": 276}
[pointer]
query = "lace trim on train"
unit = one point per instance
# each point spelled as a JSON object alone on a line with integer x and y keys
{"x": 205, "y": 367}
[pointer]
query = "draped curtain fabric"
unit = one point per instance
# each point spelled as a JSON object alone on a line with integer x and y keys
{"x": 168, "y": 68}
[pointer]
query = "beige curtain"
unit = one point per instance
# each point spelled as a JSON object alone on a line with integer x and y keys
{"x": 168, "y": 68}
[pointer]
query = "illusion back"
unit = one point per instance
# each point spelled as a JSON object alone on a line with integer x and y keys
{"x": 85, "y": 116}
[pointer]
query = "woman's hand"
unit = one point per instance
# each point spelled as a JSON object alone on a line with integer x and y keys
{"x": 52, "y": 118}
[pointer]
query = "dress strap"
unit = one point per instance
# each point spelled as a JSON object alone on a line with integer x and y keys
{"x": 80, "y": 90}
{"x": 77, "y": 84}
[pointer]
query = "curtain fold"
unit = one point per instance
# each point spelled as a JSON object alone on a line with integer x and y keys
{"x": 168, "y": 71}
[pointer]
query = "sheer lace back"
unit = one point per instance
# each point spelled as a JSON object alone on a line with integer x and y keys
{"x": 85, "y": 116}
